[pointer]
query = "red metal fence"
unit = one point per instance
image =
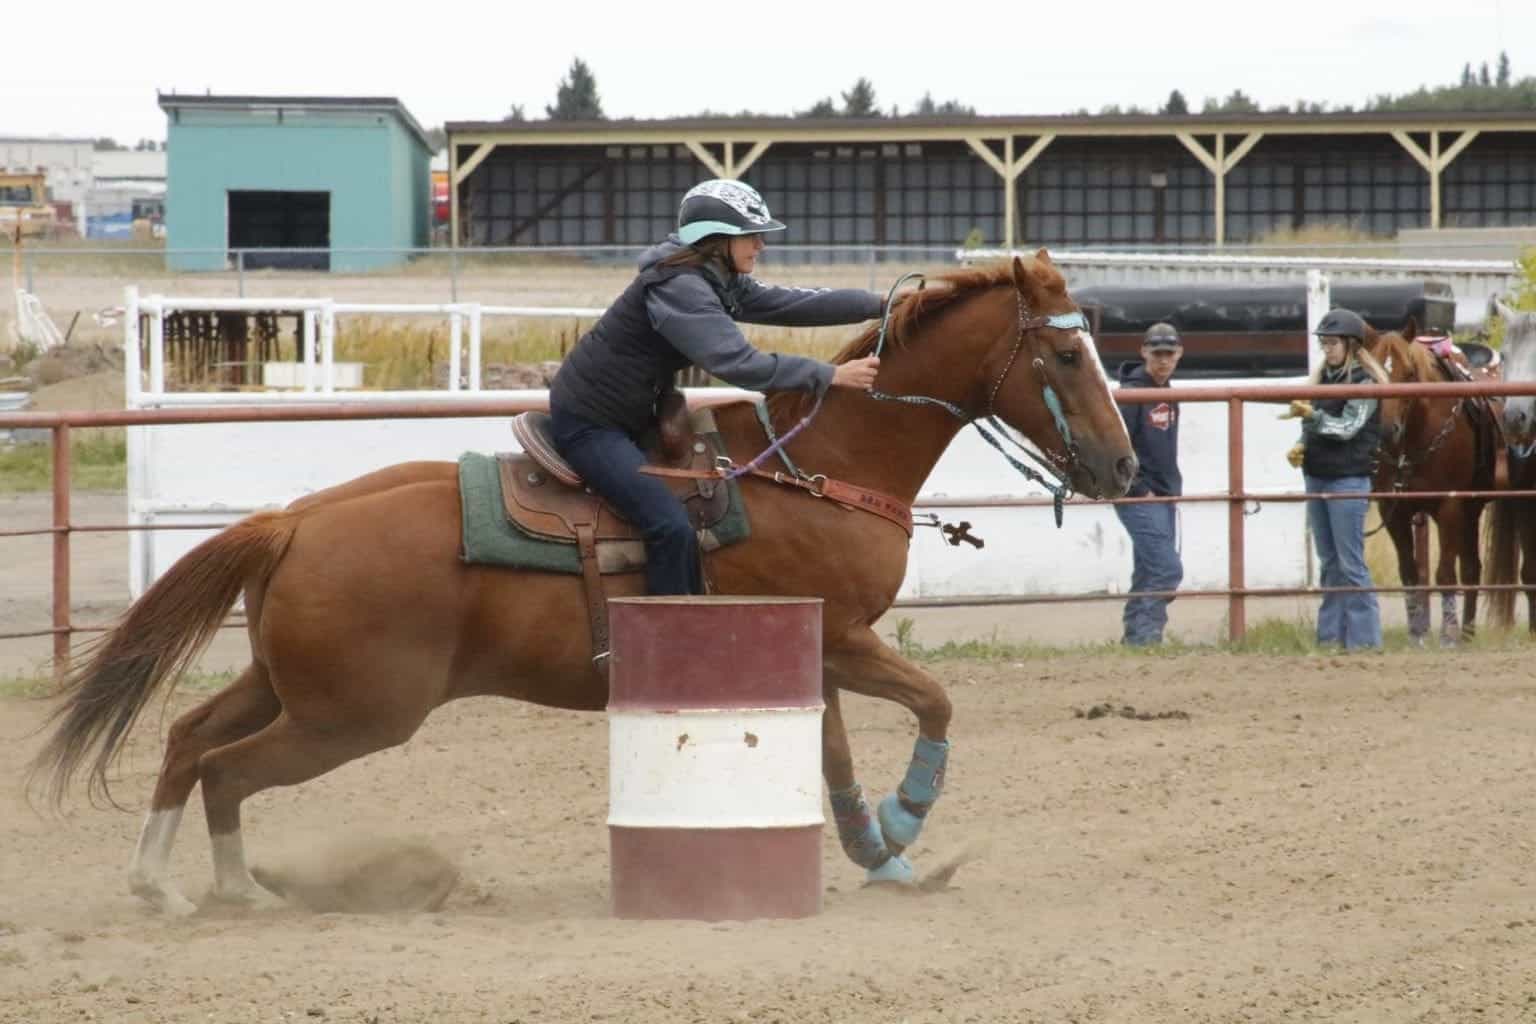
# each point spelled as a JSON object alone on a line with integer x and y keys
{"x": 1236, "y": 497}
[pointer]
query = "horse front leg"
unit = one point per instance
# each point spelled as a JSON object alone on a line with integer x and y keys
{"x": 1399, "y": 523}
{"x": 862, "y": 663}
{"x": 857, "y": 828}
{"x": 1448, "y": 530}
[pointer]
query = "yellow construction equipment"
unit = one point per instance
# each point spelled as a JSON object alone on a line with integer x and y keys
{"x": 24, "y": 206}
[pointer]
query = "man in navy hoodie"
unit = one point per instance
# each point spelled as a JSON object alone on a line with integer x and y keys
{"x": 1154, "y": 430}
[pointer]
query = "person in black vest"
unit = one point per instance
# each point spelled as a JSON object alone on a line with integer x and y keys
{"x": 1154, "y": 431}
{"x": 1337, "y": 455}
{"x": 680, "y": 311}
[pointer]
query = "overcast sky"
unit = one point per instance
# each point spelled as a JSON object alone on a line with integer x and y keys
{"x": 470, "y": 60}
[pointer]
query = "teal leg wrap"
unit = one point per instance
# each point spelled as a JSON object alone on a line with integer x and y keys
{"x": 857, "y": 828}
{"x": 903, "y": 812}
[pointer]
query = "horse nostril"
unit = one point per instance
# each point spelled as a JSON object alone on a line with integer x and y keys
{"x": 1125, "y": 470}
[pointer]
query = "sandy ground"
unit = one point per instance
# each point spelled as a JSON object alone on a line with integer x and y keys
{"x": 1323, "y": 839}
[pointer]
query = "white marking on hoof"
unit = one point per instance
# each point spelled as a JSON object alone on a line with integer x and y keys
{"x": 146, "y": 875}
{"x": 232, "y": 881}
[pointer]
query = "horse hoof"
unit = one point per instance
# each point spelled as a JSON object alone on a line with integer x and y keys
{"x": 166, "y": 900}
{"x": 896, "y": 871}
{"x": 899, "y": 826}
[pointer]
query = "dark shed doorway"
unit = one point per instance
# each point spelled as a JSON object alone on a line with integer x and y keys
{"x": 281, "y": 220}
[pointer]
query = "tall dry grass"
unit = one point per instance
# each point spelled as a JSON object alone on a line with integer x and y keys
{"x": 401, "y": 354}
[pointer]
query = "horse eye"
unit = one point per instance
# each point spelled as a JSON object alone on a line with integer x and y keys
{"x": 1067, "y": 358}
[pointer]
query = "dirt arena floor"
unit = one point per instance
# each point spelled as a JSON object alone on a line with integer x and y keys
{"x": 1322, "y": 838}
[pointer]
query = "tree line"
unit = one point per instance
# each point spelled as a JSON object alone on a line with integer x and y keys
{"x": 1480, "y": 89}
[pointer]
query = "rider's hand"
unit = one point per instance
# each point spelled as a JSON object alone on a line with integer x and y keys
{"x": 859, "y": 373}
{"x": 1301, "y": 409}
{"x": 1296, "y": 454}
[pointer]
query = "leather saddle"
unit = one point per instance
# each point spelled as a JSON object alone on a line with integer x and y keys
{"x": 545, "y": 497}
{"x": 1484, "y": 413}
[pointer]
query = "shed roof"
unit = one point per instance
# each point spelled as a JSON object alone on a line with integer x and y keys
{"x": 369, "y": 104}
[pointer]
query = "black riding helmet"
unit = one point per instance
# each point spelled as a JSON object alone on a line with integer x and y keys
{"x": 1341, "y": 323}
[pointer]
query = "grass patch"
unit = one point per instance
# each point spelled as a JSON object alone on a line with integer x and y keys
{"x": 97, "y": 463}
{"x": 1275, "y": 636}
{"x": 405, "y": 355}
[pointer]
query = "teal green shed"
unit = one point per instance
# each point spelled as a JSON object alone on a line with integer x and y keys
{"x": 339, "y": 183}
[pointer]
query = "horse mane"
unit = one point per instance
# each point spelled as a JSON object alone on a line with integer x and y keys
{"x": 1425, "y": 366}
{"x": 914, "y": 308}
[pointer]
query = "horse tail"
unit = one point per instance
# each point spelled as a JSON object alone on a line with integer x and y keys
{"x": 1500, "y": 555}
{"x": 156, "y": 640}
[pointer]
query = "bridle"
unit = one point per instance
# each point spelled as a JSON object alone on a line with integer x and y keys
{"x": 1405, "y": 466}
{"x": 1058, "y": 465}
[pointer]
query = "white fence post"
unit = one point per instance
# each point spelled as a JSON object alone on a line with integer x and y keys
{"x": 1318, "y": 303}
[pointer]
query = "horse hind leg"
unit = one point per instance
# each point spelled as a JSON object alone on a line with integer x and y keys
{"x": 285, "y": 753}
{"x": 1471, "y": 572}
{"x": 242, "y": 708}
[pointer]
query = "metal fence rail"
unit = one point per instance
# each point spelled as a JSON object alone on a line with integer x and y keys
{"x": 1236, "y": 497}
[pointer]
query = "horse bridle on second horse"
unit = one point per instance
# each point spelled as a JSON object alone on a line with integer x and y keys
{"x": 1405, "y": 466}
{"x": 1058, "y": 466}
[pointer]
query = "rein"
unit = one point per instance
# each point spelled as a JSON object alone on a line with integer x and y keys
{"x": 893, "y": 509}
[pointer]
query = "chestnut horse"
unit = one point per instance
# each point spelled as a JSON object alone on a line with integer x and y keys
{"x": 1511, "y": 540}
{"x": 363, "y": 618}
{"x": 1434, "y": 444}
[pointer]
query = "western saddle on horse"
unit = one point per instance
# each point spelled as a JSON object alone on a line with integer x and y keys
{"x": 545, "y": 497}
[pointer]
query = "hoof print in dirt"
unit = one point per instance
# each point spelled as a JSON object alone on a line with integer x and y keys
{"x": 1126, "y": 711}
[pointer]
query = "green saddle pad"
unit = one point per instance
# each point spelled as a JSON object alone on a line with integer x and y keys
{"x": 490, "y": 539}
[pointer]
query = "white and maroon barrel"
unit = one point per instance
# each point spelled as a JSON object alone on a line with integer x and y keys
{"x": 714, "y": 757}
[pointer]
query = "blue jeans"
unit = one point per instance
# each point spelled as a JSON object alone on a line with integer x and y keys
{"x": 1155, "y": 566}
{"x": 1338, "y": 529}
{"x": 609, "y": 461}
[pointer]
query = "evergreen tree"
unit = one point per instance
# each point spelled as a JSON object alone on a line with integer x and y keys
{"x": 1482, "y": 77}
{"x": 1176, "y": 104}
{"x": 859, "y": 101}
{"x": 821, "y": 108}
{"x": 576, "y": 98}
{"x": 1502, "y": 78}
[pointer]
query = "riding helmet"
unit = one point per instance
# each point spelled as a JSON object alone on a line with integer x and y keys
{"x": 1341, "y": 323}
{"x": 723, "y": 206}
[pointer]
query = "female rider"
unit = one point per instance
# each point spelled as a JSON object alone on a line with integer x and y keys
{"x": 681, "y": 310}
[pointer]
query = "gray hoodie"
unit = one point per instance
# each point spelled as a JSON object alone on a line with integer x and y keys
{"x": 669, "y": 318}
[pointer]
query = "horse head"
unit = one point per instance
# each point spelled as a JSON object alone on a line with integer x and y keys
{"x": 1517, "y": 360}
{"x": 1045, "y": 381}
{"x": 1405, "y": 363}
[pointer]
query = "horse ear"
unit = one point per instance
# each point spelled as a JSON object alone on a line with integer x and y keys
{"x": 1410, "y": 328}
{"x": 1043, "y": 256}
{"x": 1020, "y": 275}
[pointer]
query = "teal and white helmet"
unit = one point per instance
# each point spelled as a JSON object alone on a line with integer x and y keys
{"x": 723, "y": 206}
